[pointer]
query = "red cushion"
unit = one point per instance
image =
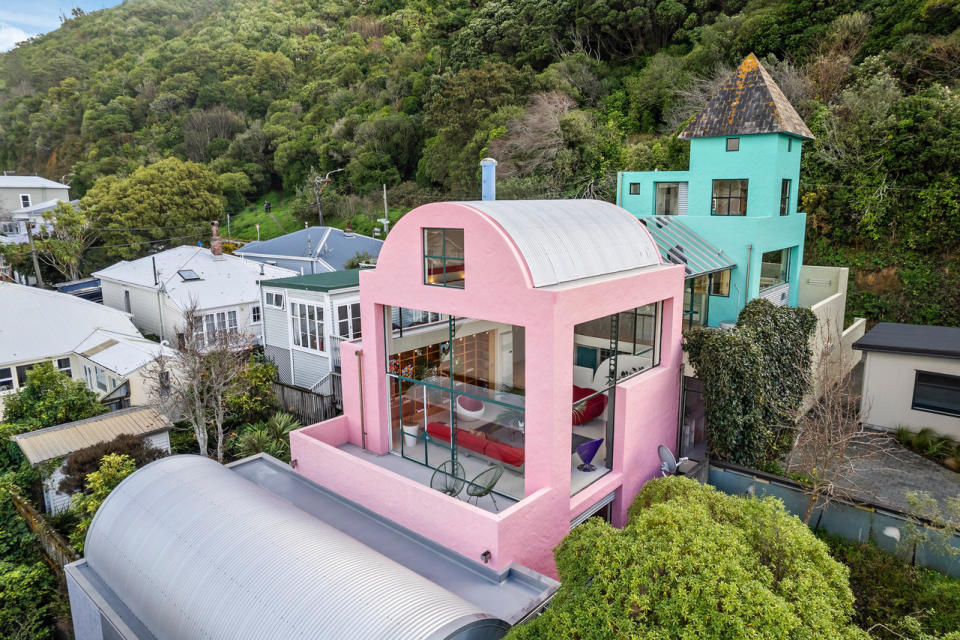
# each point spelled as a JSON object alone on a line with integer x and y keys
{"x": 513, "y": 456}
{"x": 504, "y": 453}
{"x": 593, "y": 408}
{"x": 439, "y": 430}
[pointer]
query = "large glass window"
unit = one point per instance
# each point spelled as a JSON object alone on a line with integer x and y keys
{"x": 607, "y": 351}
{"x": 456, "y": 394}
{"x": 729, "y": 198}
{"x": 443, "y": 257}
{"x": 937, "y": 393}
{"x": 306, "y": 326}
{"x": 785, "y": 197}
{"x": 696, "y": 301}
{"x": 774, "y": 268}
{"x": 667, "y": 193}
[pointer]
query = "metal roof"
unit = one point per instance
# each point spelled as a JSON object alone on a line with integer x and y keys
{"x": 748, "y": 102}
{"x": 566, "y": 240}
{"x": 679, "y": 244}
{"x": 224, "y": 280}
{"x": 29, "y": 182}
{"x": 40, "y": 208}
{"x": 329, "y": 281}
{"x": 330, "y": 248}
{"x": 64, "y": 439}
{"x": 191, "y": 549}
{"x": 121, "y": 354}
{"x": 39, "y": 323}
{"x": 918, "y": 339}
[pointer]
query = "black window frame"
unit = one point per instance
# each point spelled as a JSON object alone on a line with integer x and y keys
{"x": 635, "y": 188}
{"x": 6, "y": 379}
{"x": 444, "y": 258}
{"x": 786, "y": 184}
{"x": 927, "y": 409}
{"x": 714, "y": 209}
{"x": 736, "y": 143}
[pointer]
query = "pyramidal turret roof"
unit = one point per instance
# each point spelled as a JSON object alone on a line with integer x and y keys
{"x": 748, "y": 102}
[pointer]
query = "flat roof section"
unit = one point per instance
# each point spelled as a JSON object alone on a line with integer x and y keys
{"x": 917, "y": 339}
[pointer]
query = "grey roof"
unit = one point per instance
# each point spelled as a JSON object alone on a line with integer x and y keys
{"x": 41, "y": 207}
{"x": 332, "y": 247}
{"x": 919, "y": 339}
{"x": 748, "y": 102}
{"x": 187, "y": 548}
{"x": 29, "y": 182}
{"x": 567, "y": 240}
{"x": 679, "y": 244}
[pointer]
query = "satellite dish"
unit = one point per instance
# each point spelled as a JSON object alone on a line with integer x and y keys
{"x": 668, "y": 463}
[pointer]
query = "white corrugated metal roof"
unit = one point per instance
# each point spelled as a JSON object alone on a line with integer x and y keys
{"x": 64, "y": 439}
{"x": 29, "y": 182}
{"x": 37, "y": 323}
{"x": 226, "y": 281}
{"x": 194, "y": 550}
{"x": 120, "y": 353}
{"x": 566, "y": 240}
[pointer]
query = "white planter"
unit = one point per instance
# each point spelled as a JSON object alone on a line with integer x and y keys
{"x": 410, "y": 433}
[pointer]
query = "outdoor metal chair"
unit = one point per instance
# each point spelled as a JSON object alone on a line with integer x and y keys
{"x": 448, "y": 478}
{"x": 483, "y": 484}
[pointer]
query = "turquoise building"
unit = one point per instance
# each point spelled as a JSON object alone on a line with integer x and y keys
{"x": 732, "y": 218}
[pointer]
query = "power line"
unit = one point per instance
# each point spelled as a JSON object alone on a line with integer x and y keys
{"x": 131, "y": 244}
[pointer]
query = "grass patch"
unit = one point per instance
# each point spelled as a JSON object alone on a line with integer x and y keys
{"x": 243, "y": 226}
{"x": 888, "y": 589}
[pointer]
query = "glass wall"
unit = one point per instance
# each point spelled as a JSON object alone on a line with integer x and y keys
{"x": 607, "y": 351}
{"x": 456, "y": 390}
{"x": 774, "y": 268}
{"x": 696, "y": 300}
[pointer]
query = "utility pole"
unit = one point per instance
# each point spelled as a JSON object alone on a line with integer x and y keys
{"x": 318, "y": 186}
{"x": 33, "y": 254}
{"x": 228, "y": 226}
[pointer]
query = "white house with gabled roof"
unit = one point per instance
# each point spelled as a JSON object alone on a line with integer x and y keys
{"x": 83, "y": 339}
{"x": 157, "y": 291}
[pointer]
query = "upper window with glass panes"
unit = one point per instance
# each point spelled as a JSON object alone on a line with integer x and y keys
{"x": 443, "y": 264}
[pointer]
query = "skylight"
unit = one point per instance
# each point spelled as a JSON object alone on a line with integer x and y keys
{"x": 188, "y": 274}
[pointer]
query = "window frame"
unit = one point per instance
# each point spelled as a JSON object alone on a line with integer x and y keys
{"x": 926, "y": 409}
{"x": 786, "y": 254}
{"x": 713, "y": 279}
{"x": 68, "y": 369}
{"x": 785, "y": 197}
{"x": 736, "y": 143}
{"x": 316, "y": 323}
{"x": 99, "y": 373}
{"x": 635, "y": 187}
{"x": 444, "y": 258}
{"x": 6, "y": 380}
{"x": 354, "y": 327}
{"x": 714, "y": 198}
{"x": 676, "y": 198}
{"x": 271, "y": 295}
{"x": 29, "y": 200}
{"x": 256, "y": 314}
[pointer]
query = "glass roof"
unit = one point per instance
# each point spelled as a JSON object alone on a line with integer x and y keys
{"x": 678, "y": 244}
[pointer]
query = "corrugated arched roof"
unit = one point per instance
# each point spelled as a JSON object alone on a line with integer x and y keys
{"x": 196, "y": 551}
{"x": 567, "y": 240}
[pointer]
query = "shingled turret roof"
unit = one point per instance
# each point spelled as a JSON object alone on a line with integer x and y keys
{"x": 748, "y": 102}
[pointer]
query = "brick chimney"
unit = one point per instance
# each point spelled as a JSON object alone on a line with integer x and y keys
{"x": 216, "y": 246}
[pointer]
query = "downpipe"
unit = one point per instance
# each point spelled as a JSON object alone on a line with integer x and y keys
{"x": 363, "y": 424}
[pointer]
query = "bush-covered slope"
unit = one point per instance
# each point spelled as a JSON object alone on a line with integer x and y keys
{"x": 564, "y": 93}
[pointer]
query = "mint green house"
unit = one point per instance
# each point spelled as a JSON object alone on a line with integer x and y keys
{"x": 732, "y": 219}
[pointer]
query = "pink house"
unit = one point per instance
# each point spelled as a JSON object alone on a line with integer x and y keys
{"x": 546, "y": 335}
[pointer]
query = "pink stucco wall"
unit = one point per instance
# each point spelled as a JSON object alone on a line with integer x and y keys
{"x": 499, "y": 289}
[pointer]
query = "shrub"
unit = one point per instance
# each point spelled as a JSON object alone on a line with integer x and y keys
{"x": 113, "y": 469}
{"x": 85, "y": 461}
{"x": 50, "y": 398}
{"x": 695, "y": 563}
{"x": 271, "y": 437}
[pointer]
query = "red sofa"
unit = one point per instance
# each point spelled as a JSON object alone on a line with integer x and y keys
{"x": 505, "y": 453}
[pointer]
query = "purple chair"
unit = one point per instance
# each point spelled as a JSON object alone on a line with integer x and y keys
{"x": 587, "y": 451}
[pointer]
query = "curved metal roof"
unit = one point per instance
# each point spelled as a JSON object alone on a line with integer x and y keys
{"x": 566, "y": 240}
{"x": 197, "y": 551}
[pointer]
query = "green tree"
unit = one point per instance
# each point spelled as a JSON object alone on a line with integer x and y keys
{"x": 113, "y": 469}
{"x": 66, "y": 242}
{"x": 49, "y": 398}
{"x": 271, "y": 436}
{"x": 692, "y": 562}
{"x": 169, "y": 203}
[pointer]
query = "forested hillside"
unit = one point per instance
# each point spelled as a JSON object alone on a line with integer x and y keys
{"x": 564, "y": 93}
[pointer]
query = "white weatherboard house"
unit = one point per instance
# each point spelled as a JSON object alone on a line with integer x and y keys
{"x": 83, "y": 339}
{"x": 60, "y": 441}
{"x": 911, "y": 377}
{"x": 305, "y": 319}
{"x": 18, "y": 192}
{"x": 157, "y": 290}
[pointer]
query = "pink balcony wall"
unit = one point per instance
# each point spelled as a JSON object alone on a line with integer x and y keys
{"x": 499, "y": 288}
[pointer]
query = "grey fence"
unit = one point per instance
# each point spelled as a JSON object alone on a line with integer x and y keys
{"x": 308, "y": 407}
{"x": 860, "y": 522}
